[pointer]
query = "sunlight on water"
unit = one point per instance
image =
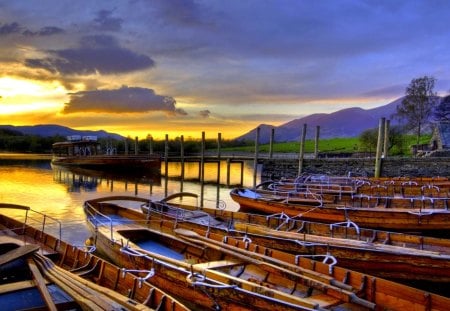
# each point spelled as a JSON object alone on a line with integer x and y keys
{"x": 60, "y": 193}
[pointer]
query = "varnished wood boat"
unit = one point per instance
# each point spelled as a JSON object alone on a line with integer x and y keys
{"x": 209, "y": 255}
{"x": 85, "y": 152}
{"x": 424, "y": 214}
{"x": 42, "y": 272}
{"x": 381, "y": 253}
{"x": 344, "y": 187}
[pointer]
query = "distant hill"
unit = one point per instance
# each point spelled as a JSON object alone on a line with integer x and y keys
{"x": 350, "y": 122}
{"x": 48, "y": 130}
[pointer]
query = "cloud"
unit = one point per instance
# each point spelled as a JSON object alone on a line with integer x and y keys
{"x": 204, "y": 113}
{"x": 123, "y": 100}
{"x": 6, "y": 29}
{"x": 95, "y": 54}
{"x": 45, "y": 31}
{"x": 104, "y": 21}
{"x": 14, "y": 28}
{"x": 389, "y": 91}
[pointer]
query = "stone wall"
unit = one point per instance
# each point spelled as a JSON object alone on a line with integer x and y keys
{"x": 391, "y": 167}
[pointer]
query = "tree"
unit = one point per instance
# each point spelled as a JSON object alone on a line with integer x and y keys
{"x": 418, "y": 104}
{"x": 369, "y": 139}
{"x": 442, "y": 111}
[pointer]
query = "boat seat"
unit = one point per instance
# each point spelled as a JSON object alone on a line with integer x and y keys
{"x": 324, "y": 301}
{"x": 218, "y": 264}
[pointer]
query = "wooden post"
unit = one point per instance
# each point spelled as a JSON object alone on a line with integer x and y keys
{"x": 150, "y": 144}
{"x": 182, "y": 162}
{"x": 255, "y": 164}
{"x": 272, "y": 136}
{"x": 202, "y": 170}
{"x": 316, "y": 143}
{"x": 166, "y": 161}
{"x": 228, "y": 171}
{"x": 202, "y": 159}
{"x": 386, "y": 139}
{"x": 302, "y": 150}
{"x": 379, "y": 147}
{"x": 219, "y": 140}
{"x": 136, "y": 145}
{"x": 126, "y": 146}
{"x": 166, "y": 164}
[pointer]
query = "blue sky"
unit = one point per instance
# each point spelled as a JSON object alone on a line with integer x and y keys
{"x": 181, "y": 67}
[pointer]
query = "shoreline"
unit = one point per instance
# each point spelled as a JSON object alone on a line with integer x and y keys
{"x": 25, "y": 156}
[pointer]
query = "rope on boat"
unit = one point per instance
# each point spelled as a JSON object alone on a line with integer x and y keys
{"x": 87, "y": 249}
{"x": 348, "y": 223}
{"x": 196, "y": 279}
{"x": 327, "y": 257}
{"x": 150, "y": 274}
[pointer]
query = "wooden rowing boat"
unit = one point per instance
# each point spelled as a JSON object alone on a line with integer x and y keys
{"x": 415, "y": 217}
{"x": 40, "y": 271}
{"x": 207, "y": 254}
{"x": 345, "y": 187}
{"x": 385, "y": 254}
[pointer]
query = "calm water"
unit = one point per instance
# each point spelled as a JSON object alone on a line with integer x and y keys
{"x": 60, "y": 193}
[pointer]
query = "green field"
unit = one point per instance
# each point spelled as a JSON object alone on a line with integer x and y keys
{"x": 333, "y": 145}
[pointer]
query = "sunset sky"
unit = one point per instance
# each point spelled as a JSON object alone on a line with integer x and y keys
{"x": 181, "y": 67}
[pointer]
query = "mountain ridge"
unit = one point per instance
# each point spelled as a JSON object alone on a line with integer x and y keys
{"x": 348, "y": 122}
{"x": 48, "y": 130}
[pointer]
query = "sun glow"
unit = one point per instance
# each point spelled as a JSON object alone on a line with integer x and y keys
{"x": 20, "y": 95}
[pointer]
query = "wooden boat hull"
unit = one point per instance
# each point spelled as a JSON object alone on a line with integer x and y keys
{"x": 99, "y": 276}
{"x": 179, "y": 277}
{"x": 111, "y": 162}
{"x": 380, "y": 253}
{"x": 377, "y": 218}
{"x": 379, "y": 291}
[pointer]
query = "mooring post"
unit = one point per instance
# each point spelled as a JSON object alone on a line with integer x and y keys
{"x": 316, "y": 142}
{"x": 379, "y": 147}
{"x": 255, "y": 164}
{"x": 219, "y": 140}
{"x": 182, "y": 162}
{"x": 202, "y": 168}
{"x": 166, "y": 161}
{"x": 150, "y": 143}
{"x": 136, "y": 145}
{"x": 272, "y": 136}
{"x": 302, "y": 150}
{"x": 202, "y": 159}
{"x": 386, "y": 139}
{"x": 228, "y": 171}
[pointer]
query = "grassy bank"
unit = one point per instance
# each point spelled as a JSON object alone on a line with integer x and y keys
{"x": 333, "y": 145}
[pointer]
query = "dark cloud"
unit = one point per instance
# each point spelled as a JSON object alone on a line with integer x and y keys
{"x": 204, "y": 113}
{"x": 126, "y": 99}
{"x": 45, "y": 31}
{"x": 96, "y": 54}
{"x": 11, "y": 28}
{"x": 104, "y": 21}
{"x": 180, "y": 112}
{"x": 388, "y": 91}
{"x": 6, "y": 29}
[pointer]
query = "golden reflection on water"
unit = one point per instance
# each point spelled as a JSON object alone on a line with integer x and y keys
{"x": 61, "y": 193}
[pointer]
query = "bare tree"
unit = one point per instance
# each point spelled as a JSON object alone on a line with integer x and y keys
{"x": 418, "y": 104}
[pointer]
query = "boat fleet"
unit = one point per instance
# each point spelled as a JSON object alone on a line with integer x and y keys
{"x": 312, "y": 243}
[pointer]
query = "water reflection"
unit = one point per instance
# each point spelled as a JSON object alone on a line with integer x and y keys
{"x": 60, "y": 193}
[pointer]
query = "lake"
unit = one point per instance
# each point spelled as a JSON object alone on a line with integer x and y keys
{"x": 60, "y": 193}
